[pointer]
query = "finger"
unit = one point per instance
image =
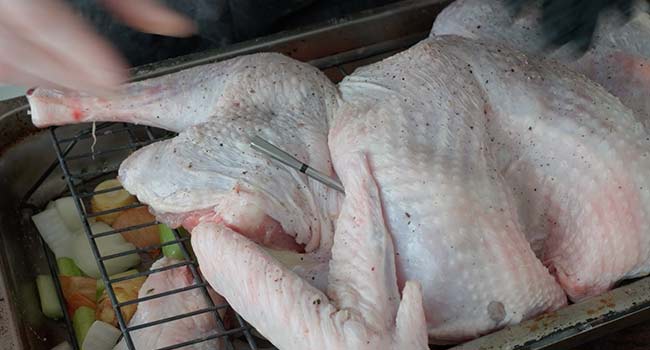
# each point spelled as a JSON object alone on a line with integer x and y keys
{"x": 64, "y": 38}
{"x": 411, "y": 326}
{"x": 269, "y": 296}
{"x": 362, "y": 270}
{"x": 13, "y": 75}
{"x": 151, "y": 17}
{"x": 26, "y": 64}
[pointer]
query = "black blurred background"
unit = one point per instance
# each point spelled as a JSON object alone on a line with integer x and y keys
{"x": 565, "y": 21}
{"x": 220, "y": 22}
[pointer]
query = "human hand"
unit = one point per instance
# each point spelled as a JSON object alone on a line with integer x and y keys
{"x": 572, "y": 21}
{"x": 42, "y": 42}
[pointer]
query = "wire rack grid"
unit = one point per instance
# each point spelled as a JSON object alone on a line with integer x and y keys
{"x": 81, "y": 184}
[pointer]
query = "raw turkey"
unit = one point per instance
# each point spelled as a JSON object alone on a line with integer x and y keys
{"x": 618, "y": 59}
{"x": 178, "y": 331}
{"x": 473, "y": 147}
{"x": 363, "y": 310}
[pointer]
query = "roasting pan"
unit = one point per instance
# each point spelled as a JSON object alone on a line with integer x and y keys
{"x": 35, "y": 167}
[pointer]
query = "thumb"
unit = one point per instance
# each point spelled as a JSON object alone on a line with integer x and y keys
{"x": 149, "y": 16}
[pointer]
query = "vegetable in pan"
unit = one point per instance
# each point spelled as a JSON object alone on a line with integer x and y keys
{"x": 81, "y": 321}
{"x": 113, "y": 199}
{"x": 100, "y": 336}
{"x": 107, "y": 245}
{"x": 173, "y": 251}
{"x": 67, "y": 267}
{"x": 50, "y": 304}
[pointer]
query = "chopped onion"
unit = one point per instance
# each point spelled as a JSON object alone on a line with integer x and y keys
{"x": 69, "y": 213}
{"x": 101, "y": 336}
{"x": 55, "y": 232}
{"x": 107, "y": 245}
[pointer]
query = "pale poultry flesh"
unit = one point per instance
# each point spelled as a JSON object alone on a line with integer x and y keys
{"x": 618, "y": 57}
{"x": 362, "y": 308}
{"x": 476, "y": 150}
{"x": 178, "y": 331}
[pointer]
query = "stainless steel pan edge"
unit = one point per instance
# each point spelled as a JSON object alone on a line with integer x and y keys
{"x": 25, "y": 153}
{"x": 574, "y": 324}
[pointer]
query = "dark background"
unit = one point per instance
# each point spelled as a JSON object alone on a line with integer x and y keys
{"x": 220, "y": 22}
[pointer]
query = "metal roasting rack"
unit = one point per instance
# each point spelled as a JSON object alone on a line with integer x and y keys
{"x": 81, "y": 184}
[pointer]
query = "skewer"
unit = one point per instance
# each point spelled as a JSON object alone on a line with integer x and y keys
{"x": 263, "y": 146}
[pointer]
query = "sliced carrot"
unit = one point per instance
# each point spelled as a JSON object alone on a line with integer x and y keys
{"x": 77, "y": 300}
{"x": 85, "y": 286}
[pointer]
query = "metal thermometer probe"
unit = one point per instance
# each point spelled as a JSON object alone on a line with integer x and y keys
{"x": 261, "y": 145}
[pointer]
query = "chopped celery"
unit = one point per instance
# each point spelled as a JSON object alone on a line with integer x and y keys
{"x": 100, "y": 287}
{"x": 67, "y": 267}
{"x": 50, "y": 304}
{"x": 81, "y": 321}
{"x": 173, "y": 251}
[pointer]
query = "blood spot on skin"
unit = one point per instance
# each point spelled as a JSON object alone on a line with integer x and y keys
{"x": 77, "y": 114}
